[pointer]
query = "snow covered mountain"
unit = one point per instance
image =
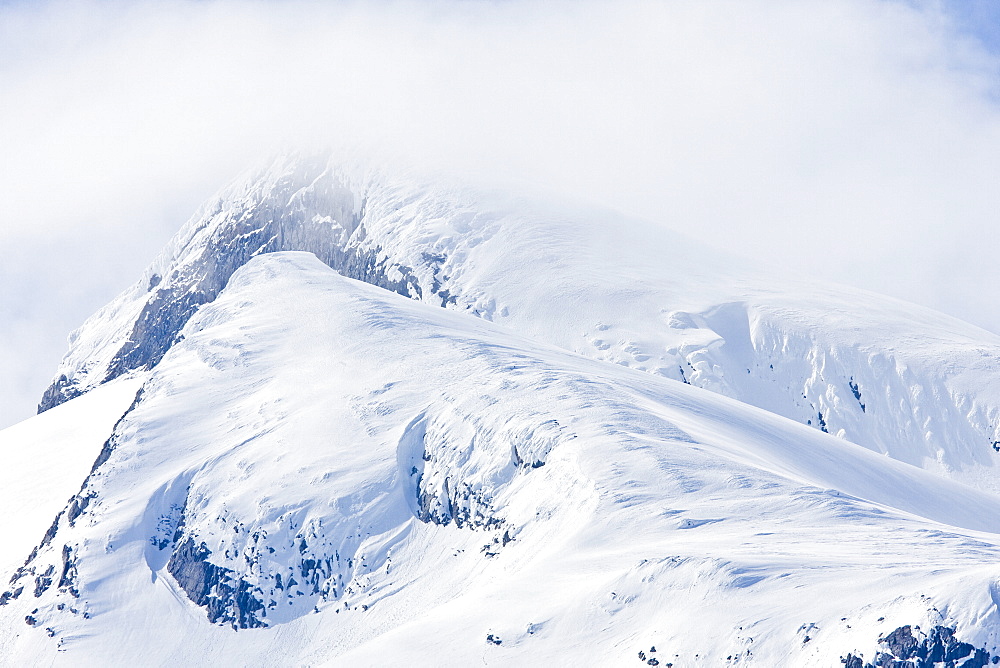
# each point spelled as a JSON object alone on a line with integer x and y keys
{"x": 287, "y": 463}
{"x": 893, "y": 377}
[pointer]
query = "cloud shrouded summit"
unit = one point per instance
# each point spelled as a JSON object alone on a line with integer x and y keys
{"x": 853, "y": 140}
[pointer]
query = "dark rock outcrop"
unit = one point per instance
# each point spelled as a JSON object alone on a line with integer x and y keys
{"x": 226, "y": 598}
{"x": 937, "y": 649}
{"x": 305, "y": 209}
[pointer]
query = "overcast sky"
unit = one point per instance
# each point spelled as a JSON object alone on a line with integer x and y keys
{"x": 857, "y": 140}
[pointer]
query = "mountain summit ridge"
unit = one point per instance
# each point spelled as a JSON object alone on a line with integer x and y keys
{"x": 896, "y": 378}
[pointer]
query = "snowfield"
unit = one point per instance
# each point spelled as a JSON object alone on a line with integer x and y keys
{"x": 527, "y": 436}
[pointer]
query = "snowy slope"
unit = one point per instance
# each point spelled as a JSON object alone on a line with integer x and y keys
{"x": 46, "y": 458}
{"x": 322, "y": 472}
{"x": 893, "y": 377}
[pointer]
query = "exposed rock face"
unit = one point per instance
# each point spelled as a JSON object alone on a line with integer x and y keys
{"x": 227, "y": 599}
{"x": 304, "y": 208}
{"x": 297, "y": 204}
{"x": 62, "y": 389}
{"x": 937, "y": 649}
{"x": 270, "y": 574}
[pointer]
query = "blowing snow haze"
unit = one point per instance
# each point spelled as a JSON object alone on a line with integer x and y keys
{"x": 611, "y": 334}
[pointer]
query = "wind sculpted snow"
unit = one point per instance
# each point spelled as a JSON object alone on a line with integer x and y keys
{"x": 325, "y": 467}
{"x": 898, "y": 379}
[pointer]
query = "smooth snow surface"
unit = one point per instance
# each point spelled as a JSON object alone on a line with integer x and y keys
{"x": 349, "y": 477}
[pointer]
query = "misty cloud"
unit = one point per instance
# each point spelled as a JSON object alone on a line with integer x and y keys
{"x": 851, "y": 140}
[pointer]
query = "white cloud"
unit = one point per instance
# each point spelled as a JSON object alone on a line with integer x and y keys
{"x": 855, "y": 140}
